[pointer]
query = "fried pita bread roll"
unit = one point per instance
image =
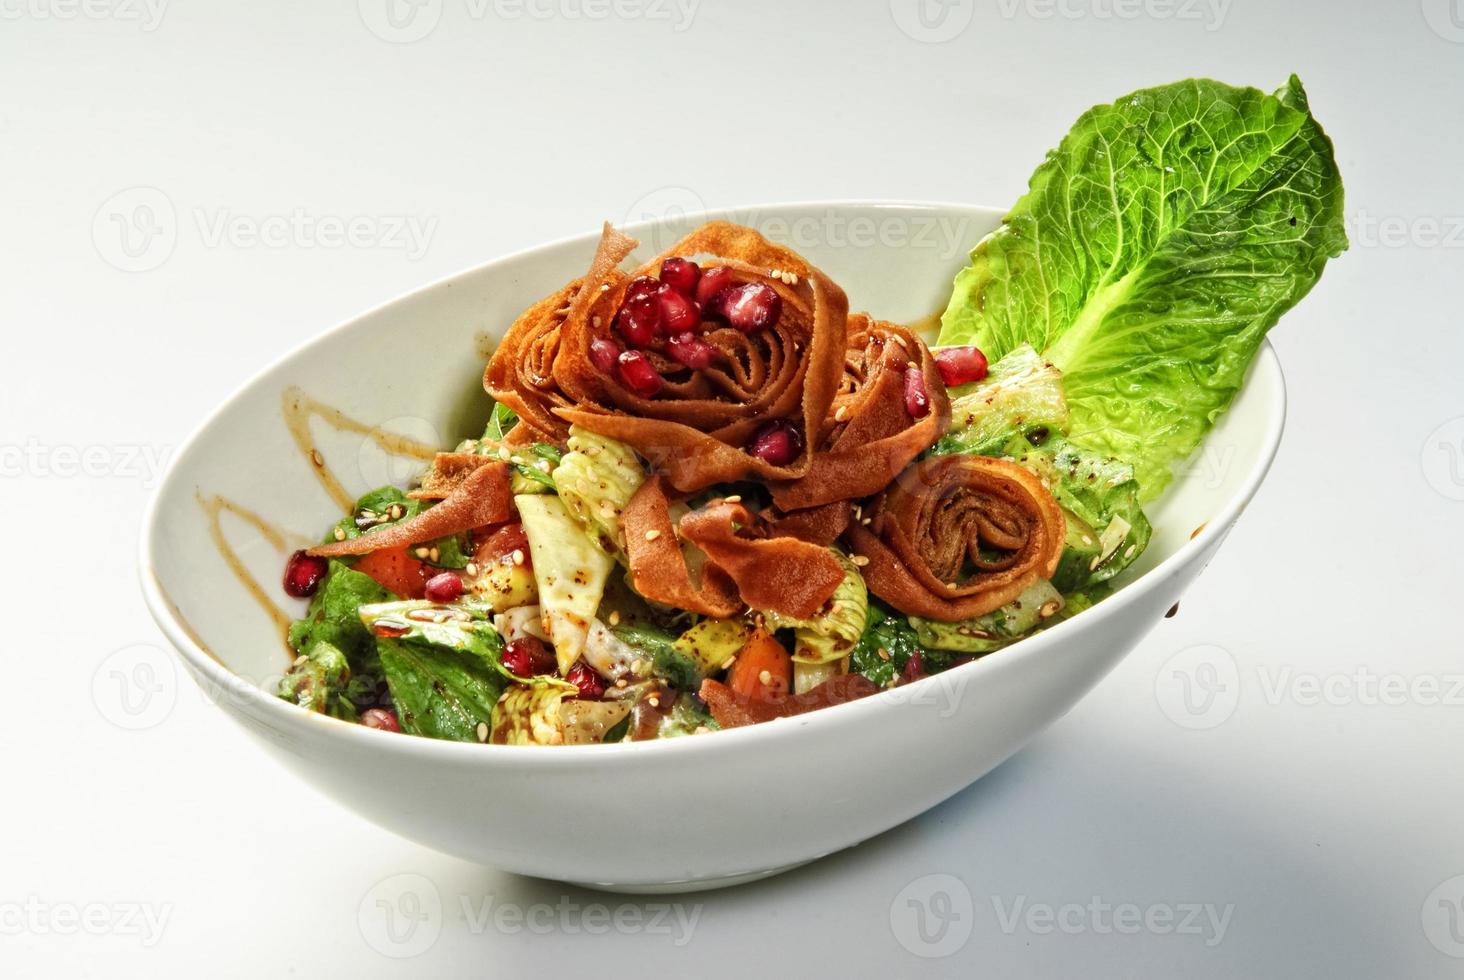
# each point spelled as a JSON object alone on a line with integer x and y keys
{"x": 870, "y": 434}
{"x": 735, "y": 559}
{"x": 701, "y": 424}
{"x": 955, "y": 537}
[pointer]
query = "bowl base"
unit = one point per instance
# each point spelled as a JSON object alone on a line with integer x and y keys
{"x": 693, "y": 885}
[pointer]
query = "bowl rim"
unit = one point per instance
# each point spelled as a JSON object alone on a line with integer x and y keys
{"x": 272, "y": 710}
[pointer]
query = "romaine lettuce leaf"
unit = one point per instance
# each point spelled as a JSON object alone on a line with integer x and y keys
{"x": 440, "y": 692}
{"x": 1155, "y": 247}
{"x": 333, "y": 615}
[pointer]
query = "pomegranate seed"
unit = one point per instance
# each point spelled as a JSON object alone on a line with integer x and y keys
{"x": 444, "y": 587}
{"x": 960, "y": 365}
{"x": 603, "y": 352}
{"x": 382, "y": 718}
{"x": 635, "y": 372}
{"x": 713, "y": 281}
{"x": 528, "y": 656}
{"x": 690, "y": 350}
{"x": 303, "y": 574}
{"x": 751, "y": 307}
{"x": 639, "y": 287}
{"x": 914, "y": 668}
{"x": 778, "y": 443}
{"x": 678, "y": 314}
{"x": 681, "y": 275}
{"x": 639, "y": 321}
{"x": 591, "y": 685}
{"x": 917, "y": 399}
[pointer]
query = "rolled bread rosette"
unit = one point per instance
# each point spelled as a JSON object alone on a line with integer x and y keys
{"x": 890, "y": 407}
{"x": 714, "y": 361}
{"x": 955, "y": 537}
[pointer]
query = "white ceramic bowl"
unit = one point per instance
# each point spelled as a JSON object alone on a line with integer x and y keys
{"x": 661, "y": 816}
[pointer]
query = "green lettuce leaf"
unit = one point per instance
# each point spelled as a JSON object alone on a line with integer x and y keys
{"x": 1153, "y": 250}
{"x": 439, "y": 692}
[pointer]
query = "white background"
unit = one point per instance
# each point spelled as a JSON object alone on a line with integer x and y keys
{"x": 1328, "y": 824}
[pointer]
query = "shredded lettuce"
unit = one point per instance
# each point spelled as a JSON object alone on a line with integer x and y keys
{"x": 1155, "y": 247}
{"x": 596, "y": 479}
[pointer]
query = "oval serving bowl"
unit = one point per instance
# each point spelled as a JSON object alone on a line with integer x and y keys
{"x": 255, "y": 482}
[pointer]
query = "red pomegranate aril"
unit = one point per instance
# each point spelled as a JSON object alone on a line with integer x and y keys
{"x": 691, "y": 350}
{"x": 713, "y": 281}
{"x": 591, "y": 685}
{"x": 635, "y": 372}
{"x": 639, "y": 321}
{"x": 917, "y": 397}
{"x": 303, "y": 574}
{"x": 678, "y": 314}
{"x": 528, "y": 656}
{"x": 914, "y": 668}
{"x": 778, "y": 443}
{"x": 639, "y": 287}
{"x": 445, "y": 587}
{"x": 603, "y": 352}
{"x": 751, "y": 307}
{"x": 960, "y": 365}
{"x": 681, "y": 275}
{"x": 382, "y": 718}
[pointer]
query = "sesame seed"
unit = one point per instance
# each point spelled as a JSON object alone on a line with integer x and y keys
{"x": 471, "y": 568}
{"x": 866, "y": 520}
{"x": 395, "y": 512}
{"x": 636, "y": 665}
{"x": 653, "y": 701}
{"x": 316, "y": 458}
{"x": 482, "y": 731}
{"x": 652, "y": 534}
{"x": 433, "y": 554}
{"x": 518, "y": 556}
{"x": 954, "y": 585}
{"x": 860, "y": 560}
{"x": 516, "y": 460}
{"x": 421, "y": 552}
{"x": 620, "y": 682}
{"x": 594, "y": 321}
{"x": 1049, "y": 608}
{"x": 727, "y": 664}
{"x": 1129, "y": 551}
{"x": 503, "y": 453}
{"x": 736, "y": 498}
{"x": 340, "y": 534}
{"x": 615, "y": 617}
{"x": 543, "y": 464}
{"x": 764, "y": 677}
{"x": 883, "y": 653}
{"x": 841, "y": 413}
